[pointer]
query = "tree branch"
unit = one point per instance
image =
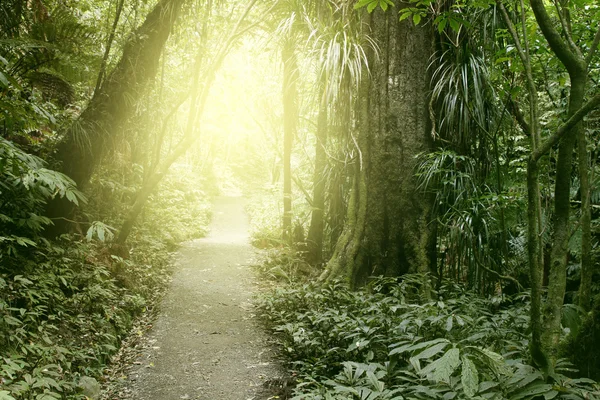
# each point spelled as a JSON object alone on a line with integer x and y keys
{"x": 515, "y": 110}
{"x": 570, "y": 60}
{"x": 513, "y": 32}
{"x": 566, "y": 127}
{"x": 594, "y": 47}
{"x": 564, "y": 22}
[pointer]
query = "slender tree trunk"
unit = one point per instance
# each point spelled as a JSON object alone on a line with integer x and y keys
{"x": 109, "y": 42}
{"x": 290, "y": 118}
{"x": 585, "y": 287}
{"x": 388, "y": 230}
{"x": 557, "y": 281}
{"x": 314, "y": 239}
{"x": 85, "y": 142}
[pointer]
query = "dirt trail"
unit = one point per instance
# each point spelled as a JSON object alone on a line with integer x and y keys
{"x": 206, "y": 343}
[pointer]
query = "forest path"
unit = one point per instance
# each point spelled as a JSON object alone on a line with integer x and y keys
{"x": 206, "y": 343}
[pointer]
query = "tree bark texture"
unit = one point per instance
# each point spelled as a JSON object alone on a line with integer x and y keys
{"x": 388, "y": 230}
{"x": 85, "y": 142}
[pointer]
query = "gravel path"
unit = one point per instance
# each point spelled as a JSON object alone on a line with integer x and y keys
{"x": 207, "y": 343}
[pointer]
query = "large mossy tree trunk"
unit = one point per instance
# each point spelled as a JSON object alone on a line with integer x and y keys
{"x": 388, "y": 229}
{"x": 86, "y": 140}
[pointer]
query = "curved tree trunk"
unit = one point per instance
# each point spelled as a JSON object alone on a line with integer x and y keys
{"x": 388, "y": 229}
{"x": 85, "y": 142}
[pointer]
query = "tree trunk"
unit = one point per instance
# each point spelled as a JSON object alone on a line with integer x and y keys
{"x": 585, "y": 286}
{"x": 290, "y": 117}
{"x": 557, "y": 281}
{"x": 109, "y": 42}
{"x": 315, "y": 232}
{"x": 388, "y": 229}
{"x": 85, "y": 142}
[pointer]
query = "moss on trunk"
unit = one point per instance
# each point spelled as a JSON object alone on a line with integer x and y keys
{"x": 388, "y": 229}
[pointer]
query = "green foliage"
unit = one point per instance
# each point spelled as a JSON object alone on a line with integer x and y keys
{"x": 381, "y": 343}
{"x": 475, "y": 222}
{"x": 580, "y": 346}
{"x": 61, "y": 317}
{"x": 25, "y": 187}
{"x": 284, "y": 265}
{"x": 372, "y": 4}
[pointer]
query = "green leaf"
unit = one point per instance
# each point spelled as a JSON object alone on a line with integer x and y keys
{"x": 418, "y": 346}
{"x": 531, "y": 391}
{"x": 469, "y": 377}
{"x": 3, "y": 79}
{"x": 5, "y": 395}
{"x": 431, "y": 351}
{"x": 449, "y": 323}
{"x": 362, "y": 3}
{"x": 416, "y": 19}
{"x": 442, "y": 25}
{"x": 454, "y": 24}
{"x": 442, "y": 369}
{"x": 493, "y": 360}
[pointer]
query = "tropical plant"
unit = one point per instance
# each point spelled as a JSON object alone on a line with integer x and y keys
{"x": 382, "y": 343}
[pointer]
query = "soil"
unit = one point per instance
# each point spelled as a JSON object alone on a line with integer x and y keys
{"x": 207, "y": 342}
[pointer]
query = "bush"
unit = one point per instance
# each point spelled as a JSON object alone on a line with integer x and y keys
{"x": 61, "y": 317}
{"x": 65, "y": 306}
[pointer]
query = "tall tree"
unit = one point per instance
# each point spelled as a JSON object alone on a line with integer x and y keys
{"x": 388, "y": 230}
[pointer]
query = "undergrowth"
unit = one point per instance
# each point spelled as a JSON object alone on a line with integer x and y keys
{"x": 65, "y": 306}
{"x": 383, "y": 342}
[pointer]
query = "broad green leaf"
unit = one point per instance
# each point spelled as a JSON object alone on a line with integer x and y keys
{"x": 5, "y": 395}
{"x": 449, "y": 323}
{"x": 418, "y": 346}
{"x": 404, "y": 14}
{"x": 442, "y": 369}
{"x": 442, "y": 25}
{"x": 493, "y": 360}
{"x": 531, "y": 391}
{"x": 431, "y": 351}
{"x": 362, "y": 3}
{"x": 416, "y": 19}
{"x": 469, "y": 377}
{"x": 3, "y": 79}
